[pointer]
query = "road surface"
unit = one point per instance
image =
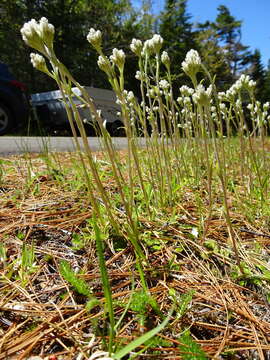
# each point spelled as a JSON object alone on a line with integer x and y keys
{"x": 10, "y": 145}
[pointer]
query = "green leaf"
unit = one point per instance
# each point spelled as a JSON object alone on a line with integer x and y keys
{"x": 68, "y": 274}
{"x": 190, "y": 350}
{"x": 142, "y": 339}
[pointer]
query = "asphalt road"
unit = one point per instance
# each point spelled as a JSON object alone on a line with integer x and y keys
{"x": 18, "y": 145}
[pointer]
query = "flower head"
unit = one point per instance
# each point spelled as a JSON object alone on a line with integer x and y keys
{"x": 38, "y": 34}
{"x": 95, "y": 38}
{"x": 118, "y": 58}
{"x": 130, "y": 96}
{"x": 192, "y": 63}
{"x": 139, "y": 75}
{"x": 104, "y": 64}
{"x": 165, "y": 59}
{"x": 156, "y": 43}
{"x": 46, "y": 31}
{"x": 266, "y": 106}
{"x": 136, "y": 47}
{"x": 147, "y": 48}
{"x": 152, "y": 46}
{"x": 202, "y": 96}
{"x": 164, "y": 85}
{"x": 186, "y": 91}
{"x": 38, "y": 62}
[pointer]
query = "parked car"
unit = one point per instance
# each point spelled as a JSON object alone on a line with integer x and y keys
{"x": 50, "y": 110}
{"x": 14, "y": 104}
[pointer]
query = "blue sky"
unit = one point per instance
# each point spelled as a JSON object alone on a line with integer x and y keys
{"x": 255, "y": 15}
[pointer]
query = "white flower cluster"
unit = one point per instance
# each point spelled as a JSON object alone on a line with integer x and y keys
{"x": 37, "y": 34}
{"x": 202, "y": 96}
{"x": 186, "y": 91}
{"x": 139, "y": 75}
{"x": 164, "y": 85}
{"x": 266, "y": 106}
{"x": 165, "y": 59}
{"x": 222, "y": 107}
{"x": 94, "y": 37}
{"x": 38, "y": 62}
{"x": 152, "y": 46}
{"x": 128, "y": 98}
{"x": 259, "y": 112}
{"x": 118, "y": 58}
{"x": 136, "y": 47}
{"x": 192, "y": 63}
{"x": 152, "y": 93}
{"x": 104, "y": 64}
{"x": 244, "y": 82}
{"x": 239, "y": 106}
{"x": 186, "y": 100}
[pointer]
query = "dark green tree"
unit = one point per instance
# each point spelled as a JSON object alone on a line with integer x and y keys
{"x": 267, "y": 83}
{"x": 72, "y": 20}
{"x": 213, "y": 55}
{"x": 176, "y": 29}
{"x": 258, "y": 74}
{"x": 228, "y": 31}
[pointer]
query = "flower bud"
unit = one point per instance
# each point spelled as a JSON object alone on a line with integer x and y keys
{"x": 37, "y": 34}
{"x": 46, "y": 31}
{"x": 139, "y": 75}
{"x": 118, "y": 58}
{"x": 202, "y": 96}
{"x": 104, "y": 64}
{"x": 165, "y": 59}
{"x": 156, "y": 43}
{"x": 186, "y": 91}
{"x": 164, "y": 85}
{"x": 136, "y": 47}
{"x": 30, "y": 35}
{"x": 192, "y": 63}
{"x": 147, "y": 48}
{"x": 95, "y": 38}
{"x": 266, "y": 106}
{"x": 39, "y": 62}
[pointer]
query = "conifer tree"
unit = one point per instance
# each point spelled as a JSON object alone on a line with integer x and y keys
{"x": 257, "y": 73}
{"x": 228, "y": 31}
{"x": 213, "y": 56}
{"x": 176, "y": 29}
{"x": 267, "y": 83}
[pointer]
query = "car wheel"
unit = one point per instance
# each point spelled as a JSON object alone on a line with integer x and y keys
{"x": 6, "y": 119}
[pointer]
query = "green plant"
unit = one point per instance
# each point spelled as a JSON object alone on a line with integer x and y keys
{"x": 79, "y": 285}
{"x": 105, "y": 284}
{"x": 142, "y": 339}
{"x": 189, "y": 348}
{"x": 191, "y": 172}
{"x": 27, "y": 263}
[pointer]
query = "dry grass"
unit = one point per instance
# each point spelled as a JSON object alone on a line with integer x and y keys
{"x": 43, "y": 316}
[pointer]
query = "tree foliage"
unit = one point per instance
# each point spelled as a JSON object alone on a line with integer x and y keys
{"x": 219, "y": 42}
{"x": 228, "y": 31}
{"x": 72, "y": 20}
{"x": 176, "y": 29}
{"x": 258, "y": 74}
{"x": 213, "y": 55}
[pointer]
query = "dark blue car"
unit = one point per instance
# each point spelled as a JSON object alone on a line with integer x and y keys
{"x": 14, "y": 104}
